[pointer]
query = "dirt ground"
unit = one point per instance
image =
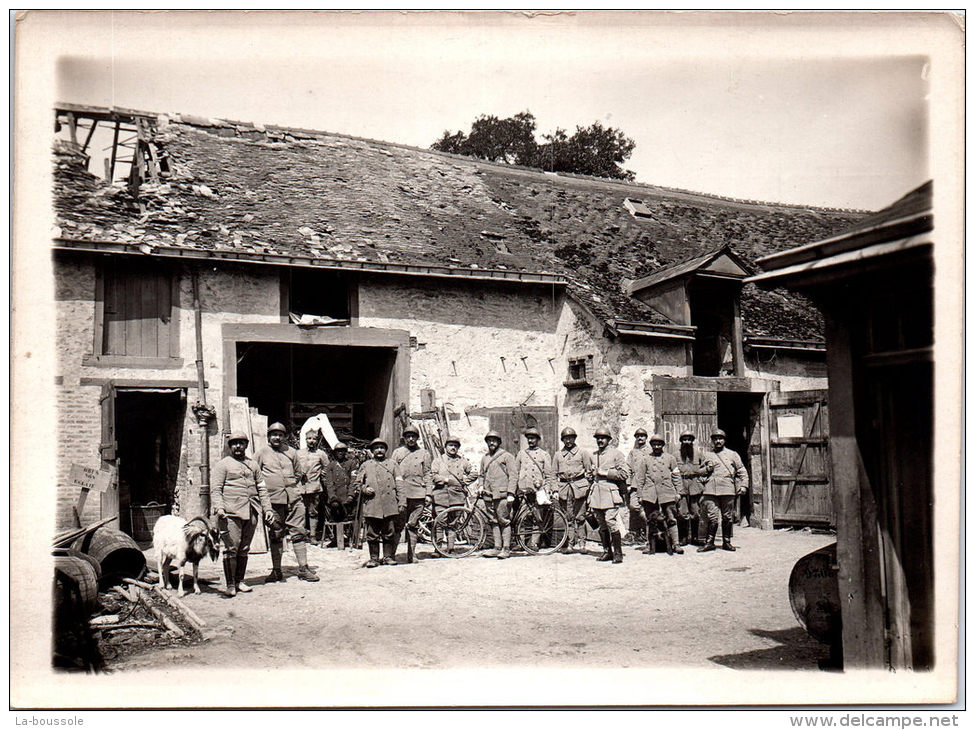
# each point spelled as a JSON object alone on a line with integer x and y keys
{"x": 695, "y": 610}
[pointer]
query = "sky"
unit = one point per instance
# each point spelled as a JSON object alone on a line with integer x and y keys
{"x": 797, "y": 110}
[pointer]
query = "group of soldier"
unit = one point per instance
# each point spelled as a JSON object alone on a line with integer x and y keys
{"x": 297, "y": 491}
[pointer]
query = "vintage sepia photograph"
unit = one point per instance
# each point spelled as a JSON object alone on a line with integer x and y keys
{"x": 469, "y": 359}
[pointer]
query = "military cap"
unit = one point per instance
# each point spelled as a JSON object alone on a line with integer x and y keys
{"x": 658, "y": 438}
{"x": 493, "y": 435}
{"x": 568, "y": 431}
{"x": 411, "y": 429}
{"x": 640, "y": 432}
{"x": 602, "y": 431}
{"x": 718, "y": 432}
{"x": 377, "y": 442}
{"x": 277, "y": 427}
{"x": 688, "y": 434}
{"x": 238, "y": 436}
{"x": 339, "y": 445}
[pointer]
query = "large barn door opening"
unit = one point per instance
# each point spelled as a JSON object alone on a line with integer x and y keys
{"x": 801, "y": 468}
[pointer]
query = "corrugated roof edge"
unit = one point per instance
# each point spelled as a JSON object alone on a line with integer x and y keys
{"x": 177, "y": 117}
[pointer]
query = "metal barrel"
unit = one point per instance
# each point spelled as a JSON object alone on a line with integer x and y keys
{"x": 814, "y": 595}
{"x": 117, "y": 554}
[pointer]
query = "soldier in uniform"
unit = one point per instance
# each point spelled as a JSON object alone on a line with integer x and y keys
{"x": 638, "y": 524}
{"x": 691, "y": 464}
{"x": 534, "y": 468}
{"x": 451, "y": 473}
{"x": 383, "y": 500}
{"x": 311, "y": 462}
{"x": 604, "y": 498}
{"x": 727, "y": 478}
{"x": 338, "y": 495}
{"x": 659, "y": 493}
{"x": 237, "y": 496}
{"x": 573, "y": 469}
{"x": 498, "y": 482}
{"x": 278, "y": 463}
{"x": 412, "y": 464}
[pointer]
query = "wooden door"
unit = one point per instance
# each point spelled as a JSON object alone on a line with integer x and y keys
{"x": 686, "y": 410}
{"x": 800, "y": 464}
{"x": 108, "y": 450}
{"x": 511, "y": 422}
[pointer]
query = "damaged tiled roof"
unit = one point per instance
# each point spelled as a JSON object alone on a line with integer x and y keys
{"x": 253, "y": 189}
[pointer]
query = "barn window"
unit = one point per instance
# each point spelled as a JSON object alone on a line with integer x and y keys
{"x": 135, "y": 320}
{"x": 318, "y": 296}
{"x": 637, "y": 208}
{"x": 578, "y": 376}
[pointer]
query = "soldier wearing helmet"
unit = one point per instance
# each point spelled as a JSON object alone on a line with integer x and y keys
{"x": 279, "y": 465}
{"x": 238, "y": 495}
{"x": 726, "y": 479}
{"x": 605, "y": 498}
{"x": 497, "y": 482}
{"x": 690, "y": 461}
{"x": 659, "y": 491}
{"x": 573, "y": 469}
{"x": 412, "y": 464}
{"x": 451, "y": 473}
{"x": 535, "y": 473}
{"x": 383, "y": 500}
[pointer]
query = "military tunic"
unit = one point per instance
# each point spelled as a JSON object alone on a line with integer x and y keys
{"x": 534, "y": 469}
{"x": 450, "y": 476}
{"x": 237, "y": 487}
{"x": 661, "y": 481}
{"x": 726, "y": 473}
{"x": 573, "y": 469}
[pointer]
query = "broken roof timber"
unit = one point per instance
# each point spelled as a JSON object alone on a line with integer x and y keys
{"x": 67, "y": 244}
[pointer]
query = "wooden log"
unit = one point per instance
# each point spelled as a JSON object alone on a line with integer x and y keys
{"x": 166, "y": 621}
{"x": 117, "y": 627}
{"x": 66, "y": 538}
{"x": 125, "y": 594}
{"x": 139, "y": 583}
{"x": 185, "y": 610}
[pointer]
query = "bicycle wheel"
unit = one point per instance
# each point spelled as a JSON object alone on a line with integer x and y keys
{"x": 544, "y": 534}
{"x": 424, "y": 525}
{"x": 457, "y": 532}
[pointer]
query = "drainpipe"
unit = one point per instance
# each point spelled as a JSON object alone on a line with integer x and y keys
{"x": 204, "y": 413}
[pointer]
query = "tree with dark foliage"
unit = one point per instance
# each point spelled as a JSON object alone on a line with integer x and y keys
{"x": 593, "y": 150}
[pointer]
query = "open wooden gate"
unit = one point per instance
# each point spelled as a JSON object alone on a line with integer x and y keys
{"x": 801, "y": 470}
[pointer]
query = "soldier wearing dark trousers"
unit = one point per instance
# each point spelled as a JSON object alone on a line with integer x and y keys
{"x": 535, "y": 472}
{"x": 605, "y": 498}
{"x": 412, "y": 463}
{"x": 338, "y": 495}
{"x": 311, "y": 462}
{"x": 573, "y": 469}
{"x": 237, "y": 496}
{"x": 727, "y": 478}
{"x": 690, "y": 461}
{"x": 638, "y": 523}
{"x": 278, "y": 465}
{"x": 659, "y": 493}
{"x": 383, "y": 500}
{"x": 498, "y": 481}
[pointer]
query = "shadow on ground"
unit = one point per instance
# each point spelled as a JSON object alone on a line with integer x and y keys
{"x": 796, "y": 650}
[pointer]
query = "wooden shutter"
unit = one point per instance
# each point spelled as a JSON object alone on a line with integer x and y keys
{"x": 800, "y": 463}
{"x": 686, "y": 410}
{"x": 138, "y": 301}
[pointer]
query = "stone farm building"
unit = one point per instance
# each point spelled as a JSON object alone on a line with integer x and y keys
{"x": 501, "y": 295}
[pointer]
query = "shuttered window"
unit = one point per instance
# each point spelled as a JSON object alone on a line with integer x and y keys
{"x": 137, "y": 309}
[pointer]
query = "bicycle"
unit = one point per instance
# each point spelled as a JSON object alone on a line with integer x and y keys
{"x": 461, "y": 530}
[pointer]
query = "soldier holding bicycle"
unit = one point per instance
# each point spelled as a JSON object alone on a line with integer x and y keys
{"x": 536, "y": 480}
{"x": 413, "y": 470}
{"x": 573, "y": 469}
{"x": 498, "y": 481}
{"x": 451, "y": 473}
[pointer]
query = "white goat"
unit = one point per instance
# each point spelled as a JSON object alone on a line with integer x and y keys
{"x": 175, "y": 539}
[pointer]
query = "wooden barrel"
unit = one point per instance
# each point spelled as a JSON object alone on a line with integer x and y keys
{"x": 72, "y": 568}
{"x": 814, "y": 595}
{"x": 117, "y": 554}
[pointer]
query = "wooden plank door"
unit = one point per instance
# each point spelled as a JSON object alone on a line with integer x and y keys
{"x": 686, "y": 410}
{"x": 800, "y": 463}
{"x": 511, "y": 422}
{"x": 108, "y": 451}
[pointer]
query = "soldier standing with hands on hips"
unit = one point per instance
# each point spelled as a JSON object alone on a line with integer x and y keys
{"x": 278, "y": 463}
{"x": 605, "y": 499}
{"x": 727, "y": 478}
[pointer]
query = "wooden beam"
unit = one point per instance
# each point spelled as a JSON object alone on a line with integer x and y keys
{"x": 111, "y": 166}
{"x": 91, "y": 131}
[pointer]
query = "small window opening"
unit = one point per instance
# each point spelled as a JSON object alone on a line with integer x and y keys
{"x": 319, "y": 296}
